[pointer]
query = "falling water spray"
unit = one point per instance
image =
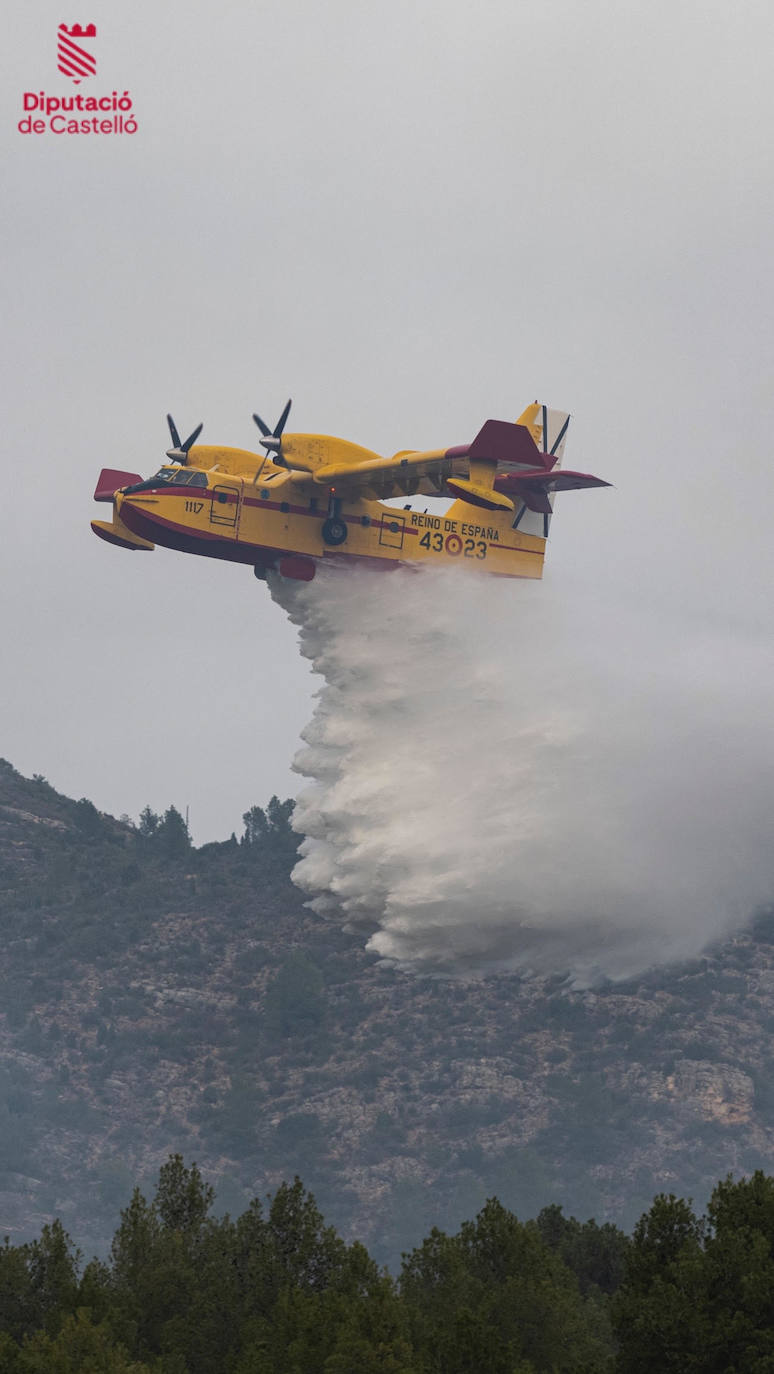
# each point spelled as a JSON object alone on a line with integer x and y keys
{"x": 507, "y": 774}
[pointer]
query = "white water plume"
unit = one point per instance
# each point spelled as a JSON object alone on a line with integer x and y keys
{"x": 512, "y": 775}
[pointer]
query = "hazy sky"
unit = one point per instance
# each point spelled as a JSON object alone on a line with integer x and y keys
{"x": 409, "y": 218}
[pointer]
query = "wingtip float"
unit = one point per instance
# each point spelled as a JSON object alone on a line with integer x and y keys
{"x": 310, "y": 497}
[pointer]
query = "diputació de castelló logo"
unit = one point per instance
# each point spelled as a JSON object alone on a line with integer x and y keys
{"x": 73, "y": 60}
{"x": 79, "y": 113}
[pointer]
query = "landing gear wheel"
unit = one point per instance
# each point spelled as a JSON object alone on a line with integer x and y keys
{"x": 334, "y": 530}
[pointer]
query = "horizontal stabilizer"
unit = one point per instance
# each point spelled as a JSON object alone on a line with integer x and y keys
{"x": 109, "y": 481}
{"x": 537, "y": 478}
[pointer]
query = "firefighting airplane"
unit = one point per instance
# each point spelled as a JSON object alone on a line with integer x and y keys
{"x": 310, "y": 497}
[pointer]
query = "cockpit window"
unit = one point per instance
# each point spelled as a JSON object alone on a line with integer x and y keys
{"x": 163, "y": 475}
{"x": 189, "y": 477}
{"x": 179, "y": 477}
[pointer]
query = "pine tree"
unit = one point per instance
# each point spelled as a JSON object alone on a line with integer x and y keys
{"x": 172, "y": 833}
{"x": 79, "y": 1347}
{"x": 182, "y": 1199}
{"x": 659, "y": 1313}
{"x": 148, "y": 824}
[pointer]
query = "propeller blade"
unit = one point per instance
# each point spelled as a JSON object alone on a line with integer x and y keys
{"x": 560, "y": 436}
{"x": 191, "y": 440}
{"x": 272, "y": 438}
{"x": 173, "y": 431}
{"x": 179, "y": 452}
{"x": 280, "y": 425}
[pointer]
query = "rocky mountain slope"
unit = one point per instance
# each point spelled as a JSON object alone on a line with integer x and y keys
{"x": 158, "y": 998}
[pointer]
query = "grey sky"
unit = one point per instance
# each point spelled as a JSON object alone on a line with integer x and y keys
{"x": 409, "y": 218}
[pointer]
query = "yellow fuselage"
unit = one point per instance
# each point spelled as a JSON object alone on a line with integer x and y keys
{"x": 271, "y": 515}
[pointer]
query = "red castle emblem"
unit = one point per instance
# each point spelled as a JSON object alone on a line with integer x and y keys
{"x": 73, "y": 60}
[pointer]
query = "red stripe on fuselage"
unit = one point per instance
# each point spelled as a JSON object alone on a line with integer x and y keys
{"x": 383, "y": 521}
{"x": 171, "y": 535}
{"x": 206, "y": 494}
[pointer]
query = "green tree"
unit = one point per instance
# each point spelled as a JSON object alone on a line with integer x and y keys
{"x": 173, "y": 1275}
{"x": 269, "y": 832}
{"x": 9, "y": 1354}
{"x": 256, "y": 826}
{"x": 182, "y": 1199}
{"x": 304, "y": 1252}
{"x": 278, "y": 814}
{"x": 371, "y": 1335}
{"x": 38, "y": 1282}
{"x": 743, "y": 1206}
{"x": 133, "y": 1242}
{"x": 659, "y": 1312}
{"x": 739, "y": 1275}
{"x": 149, "y": 823}
{"x": 80, "y": 1347}
{"x": 595, "y": 1254}
{"x": 19, "y": 1312}
{"x": 495, "y": 1297}
{"x": 53, "y": 1264}
{"x": 88, "y": 819}
{"x": 171, "y": 834}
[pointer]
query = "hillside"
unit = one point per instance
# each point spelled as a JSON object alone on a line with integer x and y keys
{"x": 159, "y": 998}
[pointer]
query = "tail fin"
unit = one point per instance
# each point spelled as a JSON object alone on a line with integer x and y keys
{"x": 549, "y": 431}
{"x": 522, "y": 457}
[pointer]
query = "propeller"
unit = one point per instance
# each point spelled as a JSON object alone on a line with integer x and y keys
{"x": 179, "y": 452}
{"x": 271, "y": 440}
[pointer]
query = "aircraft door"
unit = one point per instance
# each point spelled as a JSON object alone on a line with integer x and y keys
{"x": 224, "y": 508}
{"x": 392, "y": 530}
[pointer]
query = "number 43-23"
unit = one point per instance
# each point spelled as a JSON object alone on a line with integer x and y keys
{"x": 469, "y": 548}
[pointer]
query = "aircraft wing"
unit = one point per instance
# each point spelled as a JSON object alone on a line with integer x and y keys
{"x": 406, "y": 474}
{"x": 409, "y": 473}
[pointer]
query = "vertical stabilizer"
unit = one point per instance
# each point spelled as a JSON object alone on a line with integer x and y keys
{"x": 549, "y": 430}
